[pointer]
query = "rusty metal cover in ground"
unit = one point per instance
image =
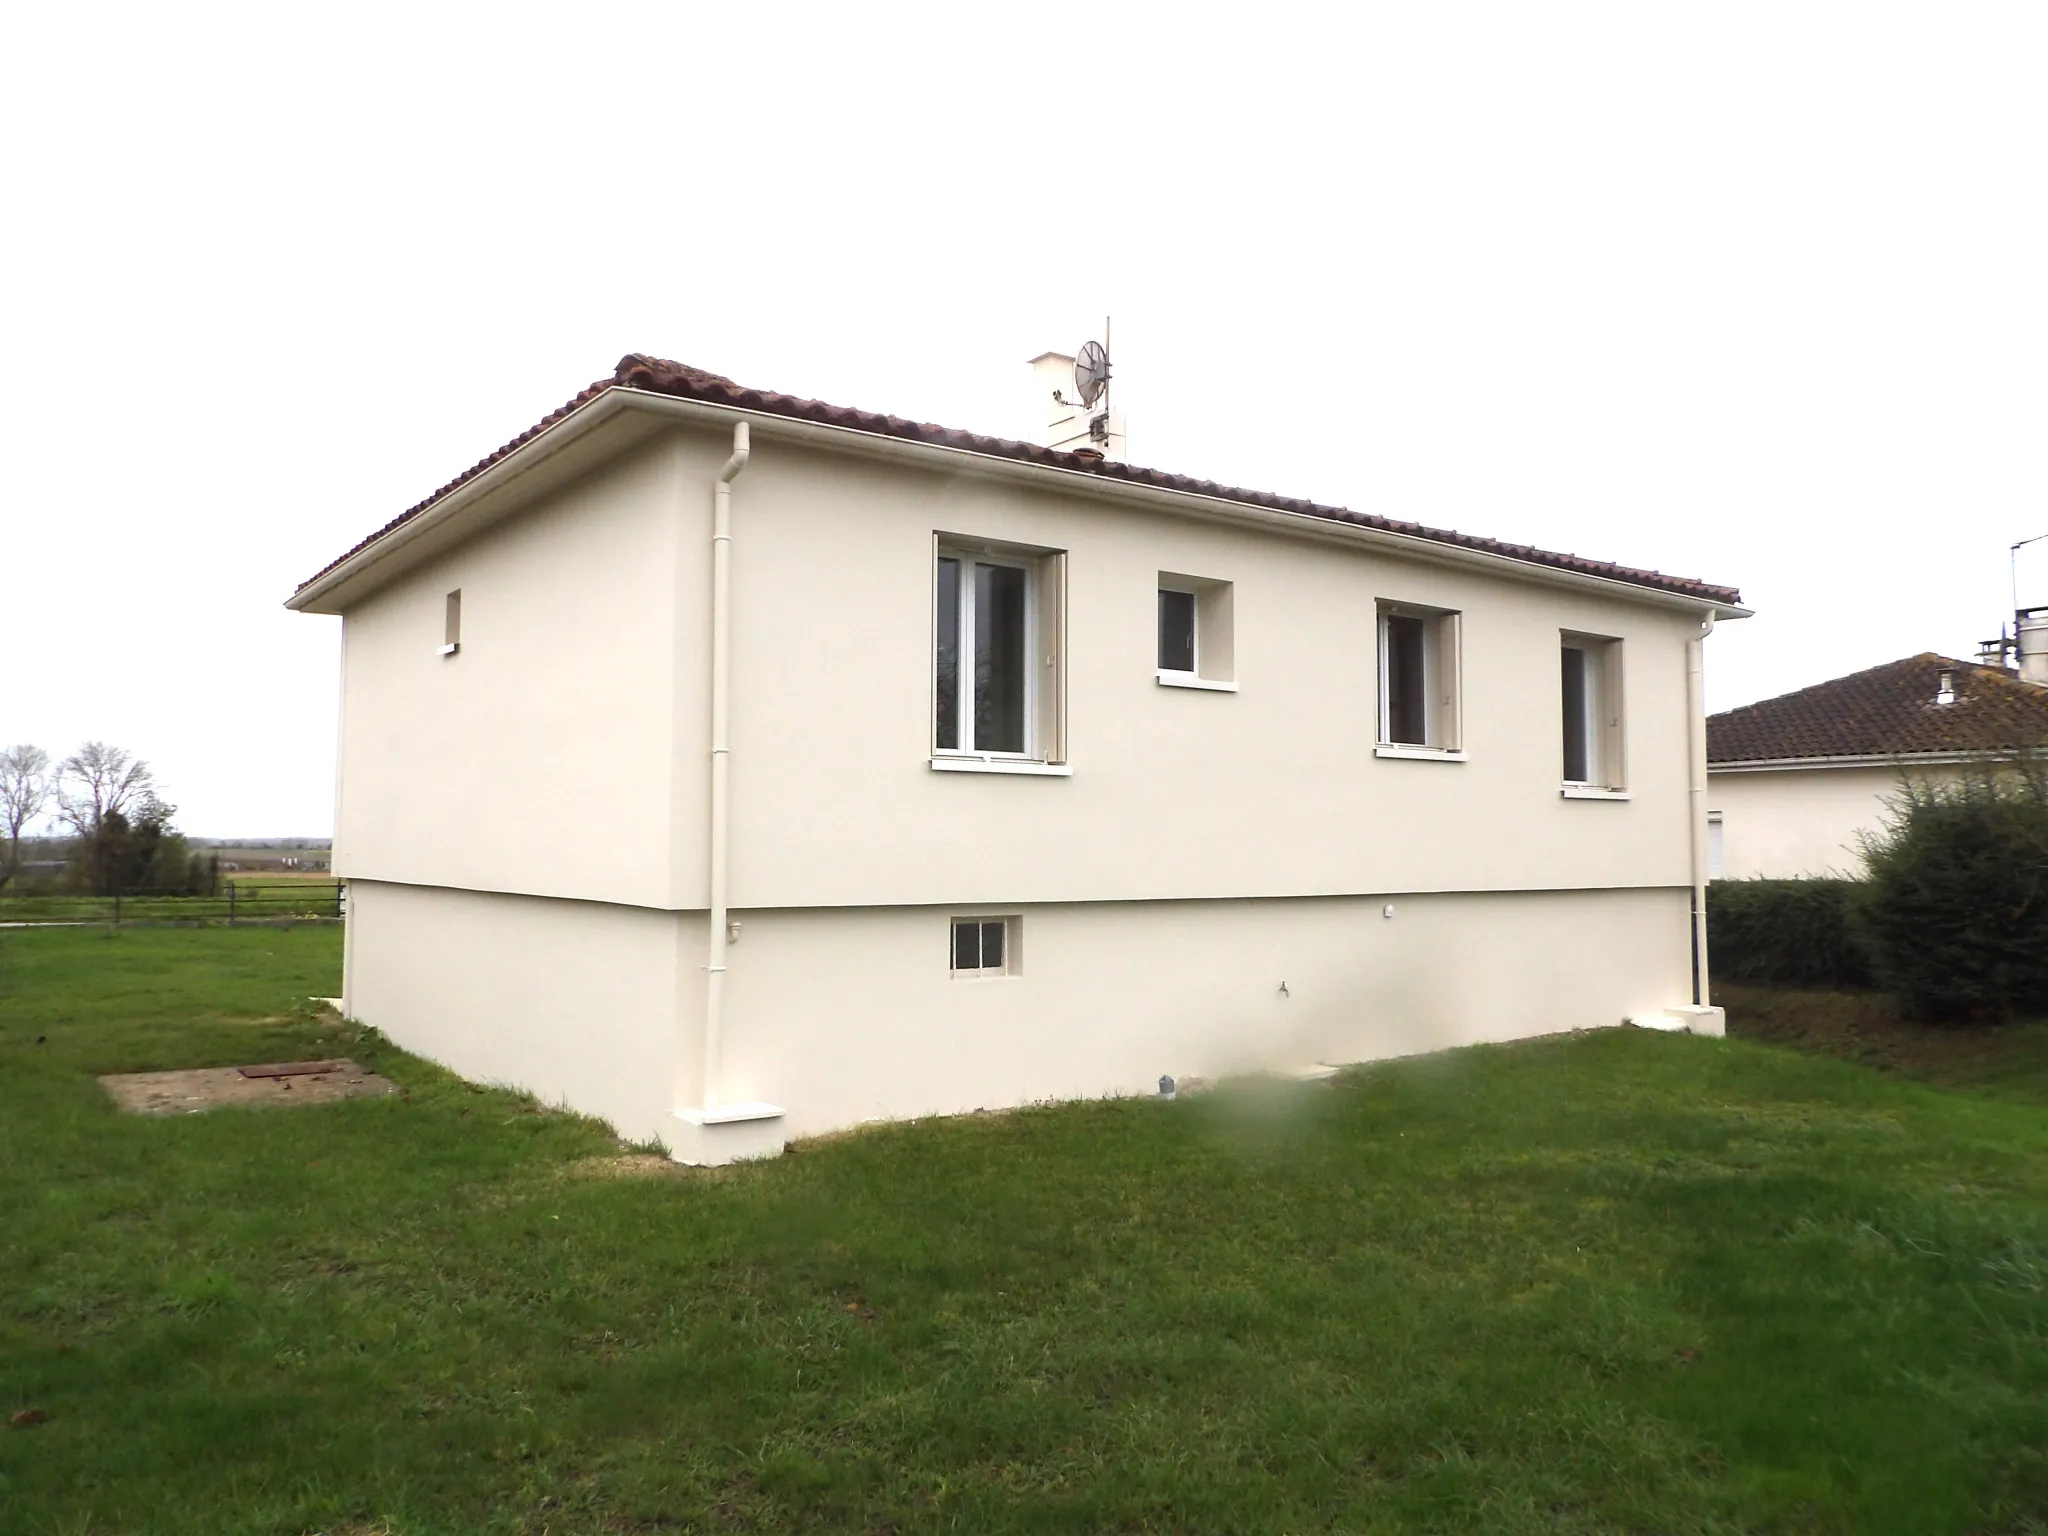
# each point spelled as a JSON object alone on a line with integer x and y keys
{"x": 295, "y": 1068}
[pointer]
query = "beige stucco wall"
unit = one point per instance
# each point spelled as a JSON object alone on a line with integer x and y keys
{"x": 575, "y": 1001}
{"x": 844, "y": 1015}
{"x": 1802, "y": 821}
{"x": 562, "y": 751}
{"x": 1273, "y": 790}
{"x": 541, "y": 757}
{"x": 523, "y": 823}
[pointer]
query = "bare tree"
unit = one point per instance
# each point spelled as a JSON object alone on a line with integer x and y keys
{"x": 98, "y": 781}
{"x": 24, "y": 790}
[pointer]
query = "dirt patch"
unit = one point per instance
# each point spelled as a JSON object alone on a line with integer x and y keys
{"x": 285, "y": 1084}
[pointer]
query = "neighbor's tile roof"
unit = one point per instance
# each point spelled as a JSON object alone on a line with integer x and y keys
{"x": 660, "y": 376}
{"x": 1889, "y": 711}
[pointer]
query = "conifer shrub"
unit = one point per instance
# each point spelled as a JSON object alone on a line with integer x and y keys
{"x": 1787, "y": 933}
{"x": 1956, "y": 914}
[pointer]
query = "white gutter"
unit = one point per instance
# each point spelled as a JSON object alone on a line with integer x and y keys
{"x": 1696, "y": 774}
{"x": 721, "y": 754}
{"x": 1900, "y": 760}
{"x": 968, "y": 461}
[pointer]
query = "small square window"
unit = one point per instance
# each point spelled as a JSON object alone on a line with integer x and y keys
{"x": 1195, "y": 648}
{"x": 1418, "y": 677}
{"x": 1590, "y": 693}
{"x": 982, "y": 946}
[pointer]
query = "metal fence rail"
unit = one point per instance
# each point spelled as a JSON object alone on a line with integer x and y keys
{"x": 237, "y": 901}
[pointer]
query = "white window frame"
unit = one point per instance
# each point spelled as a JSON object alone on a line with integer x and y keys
{"x": 969, "y": 556}
{"x": 1601, "y": 719}
{"x": 1010, "y": 923}
{"x": 451, "y": 623}
{"x": 1442, "y": 683}
{"x": 1215, "y": 641}
{"x": 1717, "y": 846}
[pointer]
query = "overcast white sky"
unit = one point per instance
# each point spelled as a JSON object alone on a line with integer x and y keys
{"x": 1757, "y": 293}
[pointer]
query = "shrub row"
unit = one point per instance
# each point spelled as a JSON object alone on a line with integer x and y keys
{"x": 1956, "y": 915}
{"x": 1788, "y": 933}
{"x": 1952, "y": 919}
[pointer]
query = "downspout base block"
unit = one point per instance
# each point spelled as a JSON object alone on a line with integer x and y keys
{"x": 731, "y": 1133}
{"x": 1686, "y": 1018}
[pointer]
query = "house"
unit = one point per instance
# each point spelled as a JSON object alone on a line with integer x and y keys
{"x": 939, "y": 771}
{"x": 1796, "y": 781}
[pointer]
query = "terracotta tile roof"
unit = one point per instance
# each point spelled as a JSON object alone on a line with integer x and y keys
{"x": 660, "y": 376}
{"x": 1888, "y": 711}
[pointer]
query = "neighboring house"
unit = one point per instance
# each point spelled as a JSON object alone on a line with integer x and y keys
{"x": 938, "y": 771}
{"x": 1796, "y": 781}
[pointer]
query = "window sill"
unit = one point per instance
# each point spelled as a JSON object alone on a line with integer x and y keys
{"x": 1418, "y": 754}
{"x": 1590, "y": 792}
{"x": 1189, "y": 680}
{"x": 451, "y": 648}
{"x": 1001, "y": 765}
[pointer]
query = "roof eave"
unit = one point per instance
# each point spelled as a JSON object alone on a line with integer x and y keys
{"x": 321, "y": 593}
{"x": 318, "y": 595}
{"x": 1864, "y": 760}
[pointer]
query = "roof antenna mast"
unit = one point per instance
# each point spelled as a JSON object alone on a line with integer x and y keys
{"x": 2028, "y": 647}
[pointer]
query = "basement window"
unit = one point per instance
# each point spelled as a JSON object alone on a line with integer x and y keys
{"x": 984, "y": 946}
{"x": 451, "y": 624}
{"x": 998, "y": 663}
{"x": 1418, "y": 680}
{"x": 1590, "y": 694}
{"x": 1195, "y": 649}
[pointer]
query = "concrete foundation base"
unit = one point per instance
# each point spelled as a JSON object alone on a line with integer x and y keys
{"x": 1702, "y": 1020}
{"x": 731, "y": 1133}
{"x": 1685, "y": 1019}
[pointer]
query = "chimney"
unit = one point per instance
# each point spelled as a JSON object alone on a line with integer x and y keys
{"x": 2033, "y": 645}
{"x": 1057, "y": 418}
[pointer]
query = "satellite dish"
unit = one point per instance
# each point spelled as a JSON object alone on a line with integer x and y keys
{"x": 1091, "y": 372}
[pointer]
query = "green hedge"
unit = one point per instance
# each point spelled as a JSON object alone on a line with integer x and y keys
{"x": 1957, "y": 909}
{"x": 1787, "y": 933}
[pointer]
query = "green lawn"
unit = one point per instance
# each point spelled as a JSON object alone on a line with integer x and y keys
{"x": 2006, "y": 1060}
{"x": 1619, "y": 1282}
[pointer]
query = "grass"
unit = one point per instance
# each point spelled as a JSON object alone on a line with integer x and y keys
{"x": 2005, "y": 1060}
{"x": 1614, "y": 1282}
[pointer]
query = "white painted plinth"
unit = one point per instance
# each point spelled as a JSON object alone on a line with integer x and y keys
{"x": 1702, "y": 1020}
{"x": 1685, "y": 1019}
{"x": 731, "y": 1133}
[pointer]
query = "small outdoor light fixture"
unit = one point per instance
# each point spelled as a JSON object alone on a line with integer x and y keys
{"x": 1165, "y": 1087}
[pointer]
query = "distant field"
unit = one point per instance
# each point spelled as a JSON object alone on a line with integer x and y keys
{"x": 1600, "y": 1284}
{"x": 253, "y": 897}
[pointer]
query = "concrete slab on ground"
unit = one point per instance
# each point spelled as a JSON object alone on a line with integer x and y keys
{"x": 189, "y": 1091}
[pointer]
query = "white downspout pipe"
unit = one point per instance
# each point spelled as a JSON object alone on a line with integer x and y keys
{"x": 721, "y": 754}
{"x": 1696, "y": 763}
